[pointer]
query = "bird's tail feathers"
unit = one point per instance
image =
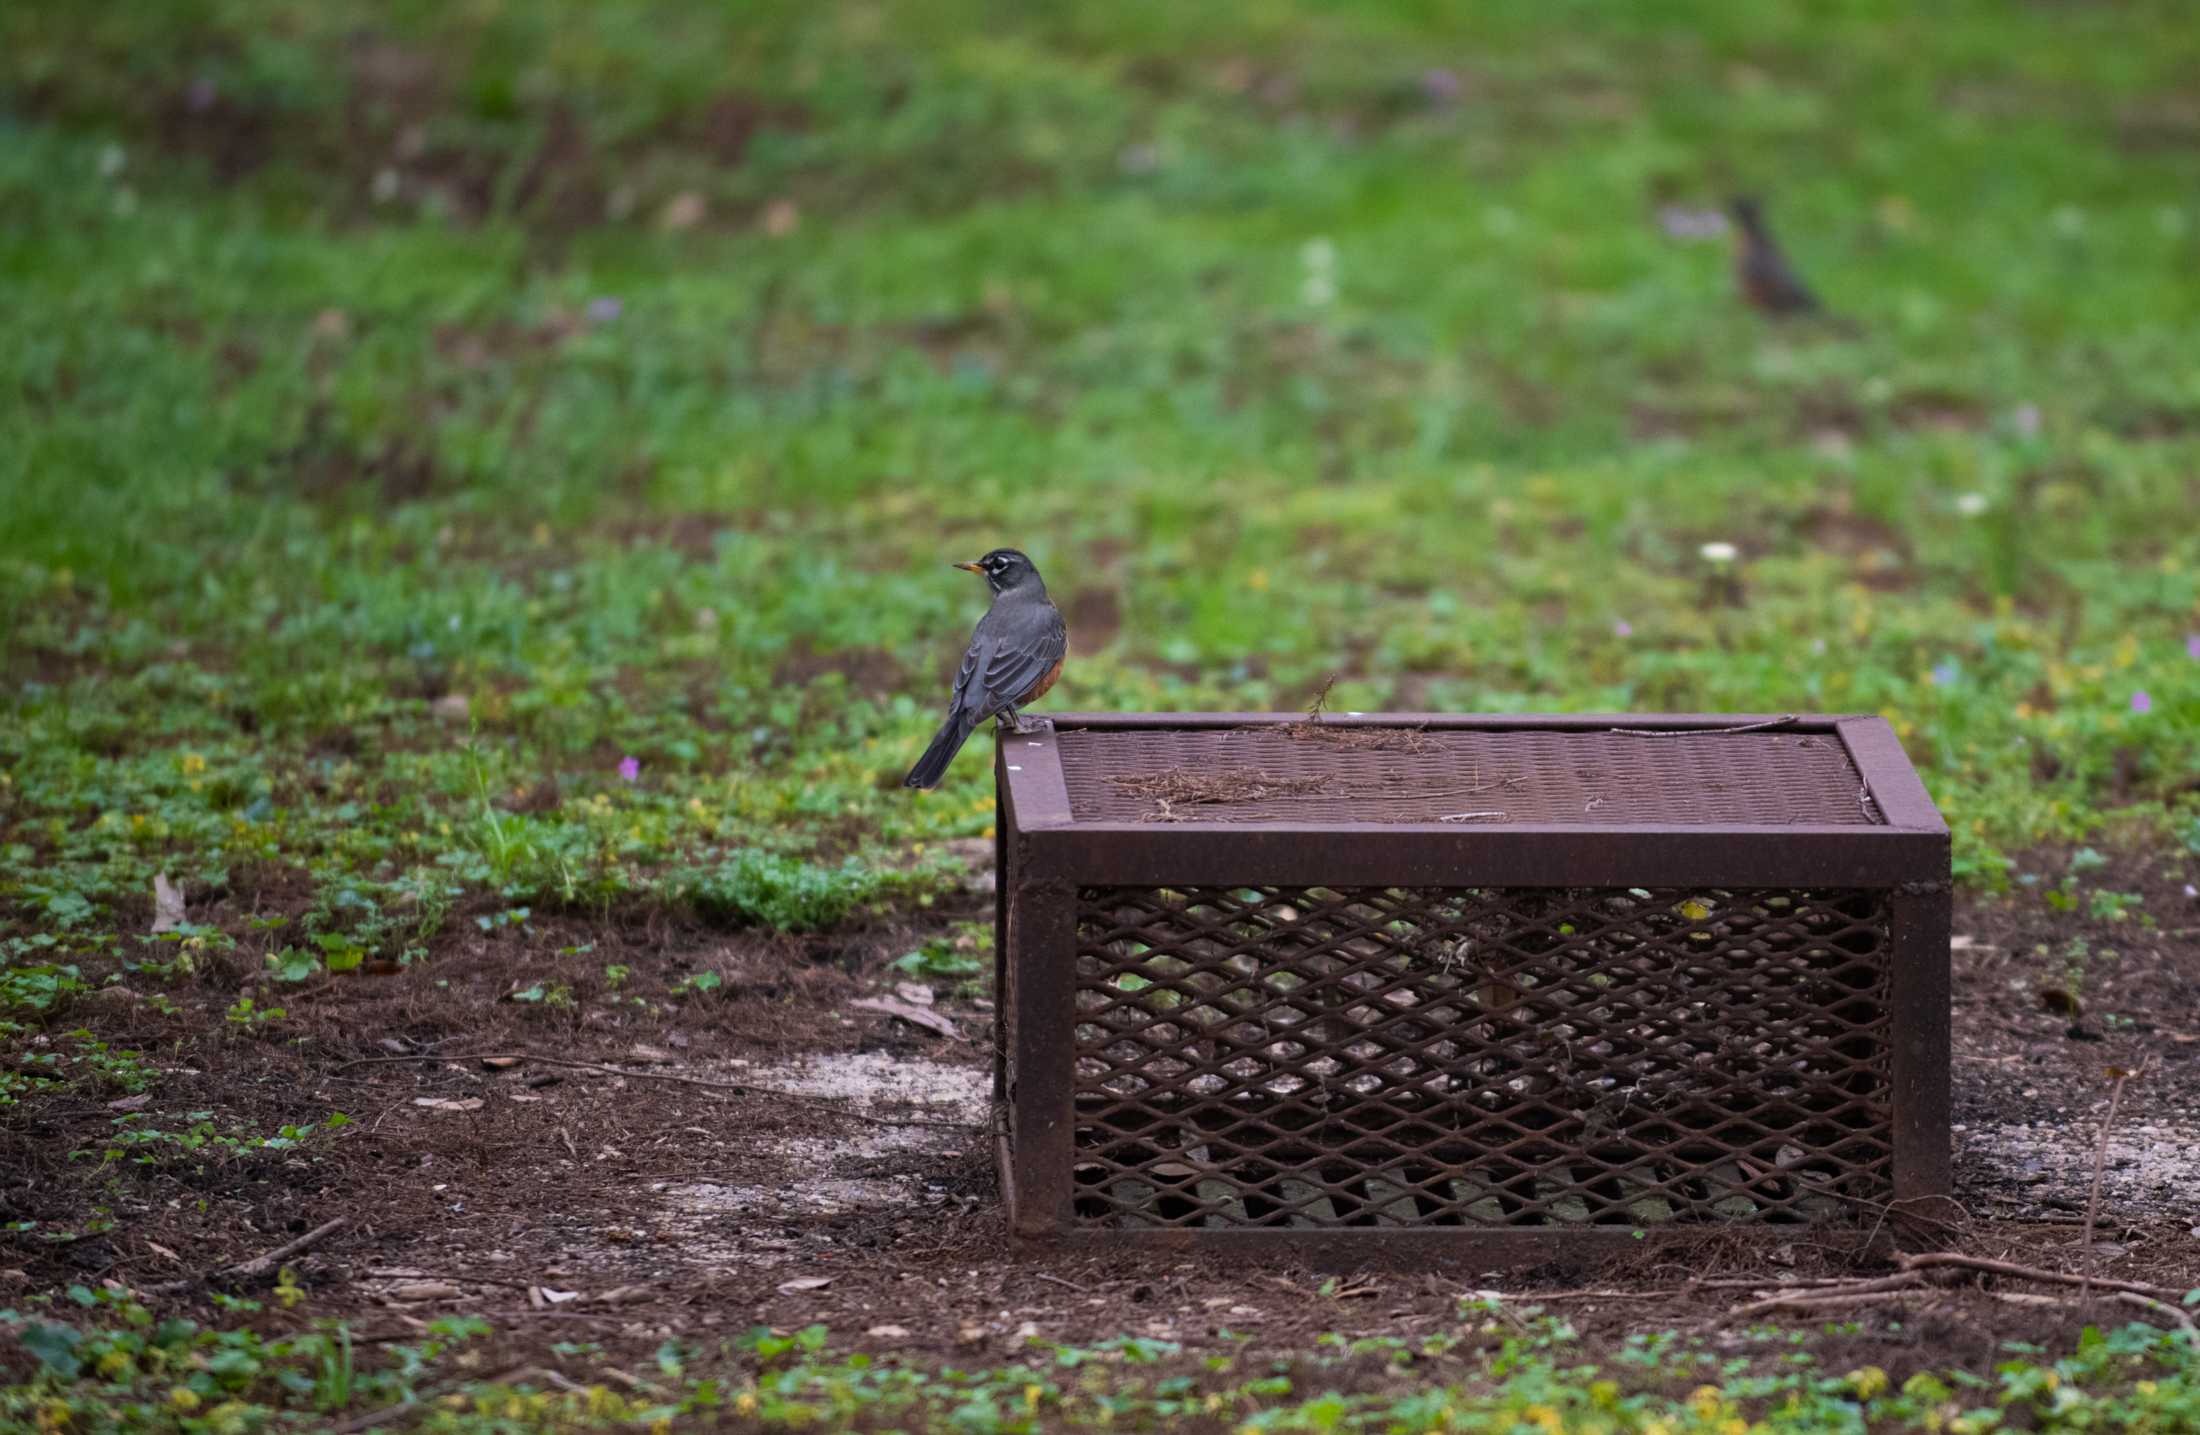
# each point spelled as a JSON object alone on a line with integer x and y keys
{"x": 946, "y": 743}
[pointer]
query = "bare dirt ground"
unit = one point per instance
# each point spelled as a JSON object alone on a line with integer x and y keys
{"x": 625, "y": 1179}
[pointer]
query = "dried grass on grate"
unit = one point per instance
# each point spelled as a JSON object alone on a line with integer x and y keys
{"x": 1193, "y": 787}
{"x": 1311, "y": 728}
{"x": 1378, "y": 739}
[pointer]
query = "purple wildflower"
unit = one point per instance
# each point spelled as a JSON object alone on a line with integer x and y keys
{"x": 1623, "y": 629}
{"x": 630, "y": 768}
{"x": 1944, "y": 673}
{"x": 2192, "y": 646}
{"x": 604, "y": 310}
{"x": 2142, "y": 701}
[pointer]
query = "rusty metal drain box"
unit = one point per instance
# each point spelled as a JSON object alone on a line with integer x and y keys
{"x": 1493, "y": 986}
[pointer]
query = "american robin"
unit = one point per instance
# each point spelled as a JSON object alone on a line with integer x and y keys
{"x": 1767, "y": 279}
{"x": 1015, "y": 655}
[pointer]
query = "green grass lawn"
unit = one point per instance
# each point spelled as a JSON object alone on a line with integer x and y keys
{"x": 410, "y": 412}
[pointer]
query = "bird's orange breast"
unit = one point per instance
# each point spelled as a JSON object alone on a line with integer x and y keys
{"x": 1039, "y": 689}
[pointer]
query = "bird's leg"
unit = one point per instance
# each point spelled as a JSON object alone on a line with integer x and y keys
{"x": 1007, "y": 719}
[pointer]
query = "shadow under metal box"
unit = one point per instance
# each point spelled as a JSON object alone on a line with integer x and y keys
{"x": 1493, "y": 986}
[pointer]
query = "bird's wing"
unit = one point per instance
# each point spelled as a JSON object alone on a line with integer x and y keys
{"x": 1006, "y": 660}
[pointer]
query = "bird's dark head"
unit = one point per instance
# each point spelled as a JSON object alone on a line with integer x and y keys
{"x": 1003, "y": 569}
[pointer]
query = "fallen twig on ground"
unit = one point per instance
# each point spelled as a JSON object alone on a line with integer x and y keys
{"x": 2100, "y": 1170}
{"x": 1530, "y": 1297}
{"x": 1930, "y": 1259}
{"x": 1862, "y": 1292}
{"x": 1755, "y": 1283}
{"x": 262, "y": 1264}
{"x": 2161, "y": 1307}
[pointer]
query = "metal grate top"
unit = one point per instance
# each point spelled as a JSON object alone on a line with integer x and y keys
{"x": 1305, "y": 775}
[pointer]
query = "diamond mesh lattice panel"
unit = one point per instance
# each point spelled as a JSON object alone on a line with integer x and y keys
{"x": 1309, "y": 1057}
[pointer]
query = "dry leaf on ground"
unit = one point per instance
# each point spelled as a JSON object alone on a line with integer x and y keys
{"x": 909, "y": 1012}
{"x": 167, "y": 904}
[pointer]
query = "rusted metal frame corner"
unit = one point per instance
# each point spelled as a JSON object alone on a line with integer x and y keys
{"x": 1042, "y": 1056}
{"x": 1035, "y": 960}
{"x": 1891, "y": 784}
{"x": 1004, "y": 880}
{"x": 1921, "y": 1039}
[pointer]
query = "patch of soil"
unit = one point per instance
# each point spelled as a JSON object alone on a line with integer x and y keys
{"x": 1879, "y": 553}
{"x": 327, "y": 467}
{"x": 235, "y": 137}
{"x": 392, "y": 136}
{"x": 2047, "y": 1004}
{"x": 1095, "y": 618}
{"x": 729, "y": 122}
{"x": 2159, "y": 422}
{"x": 767, "y": 1130}
{"x": 870, "y": 671}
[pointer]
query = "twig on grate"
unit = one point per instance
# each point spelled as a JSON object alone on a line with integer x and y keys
{"x": 1781, "y": 721}
{"x": 1497, "y": 812}
{"x": 1506, "y": 784}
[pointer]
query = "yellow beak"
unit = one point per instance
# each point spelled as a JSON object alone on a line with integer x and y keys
{"x": 970, "y": 567}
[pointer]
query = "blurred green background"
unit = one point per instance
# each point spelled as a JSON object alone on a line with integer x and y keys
{"x": 414, "y": 410}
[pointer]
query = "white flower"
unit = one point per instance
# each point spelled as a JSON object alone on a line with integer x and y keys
{"x": 1719, "y": 554}
{"x": 1971, "y": 505}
